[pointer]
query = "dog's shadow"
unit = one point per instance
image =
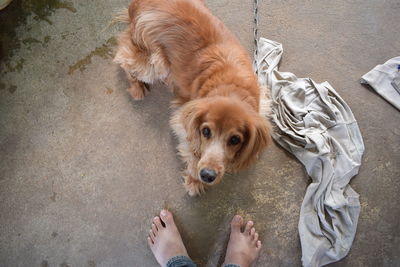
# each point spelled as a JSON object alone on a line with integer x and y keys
{"x": 154, "y": 108}
{"x": 154, "y": 111}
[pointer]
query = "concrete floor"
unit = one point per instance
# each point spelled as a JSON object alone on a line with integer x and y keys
{"x": 83, "y": 168}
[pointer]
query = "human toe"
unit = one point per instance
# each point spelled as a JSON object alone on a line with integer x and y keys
{"x": 166, "y": 217}
{"x": 152, "y": 236}
{"x": 255, "y": 238}
{"x": 157, "y": 222}
{"x": 236, "y": 223}
{"x": 154, "y": 228}
{"x": 252, "y": 232}
{"x": 248, "y": 227}
{"x": 150, "y": 241}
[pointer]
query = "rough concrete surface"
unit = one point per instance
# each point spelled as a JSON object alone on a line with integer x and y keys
{"x": 83, "y": 168}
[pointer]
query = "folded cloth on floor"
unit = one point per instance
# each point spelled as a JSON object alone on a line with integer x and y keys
{"x": 385, "y": 79}
{"x": 317, "y": 126}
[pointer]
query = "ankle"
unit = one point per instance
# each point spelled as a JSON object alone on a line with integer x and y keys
{"x": 234, "y": 263}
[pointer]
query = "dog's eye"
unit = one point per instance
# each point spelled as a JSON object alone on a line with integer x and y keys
{"x": 234, "y": 140}
{"x": 206, "y": 132}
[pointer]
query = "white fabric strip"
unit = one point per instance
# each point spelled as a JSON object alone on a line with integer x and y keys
{"x": 317, "y": 126}
{"x": 385, "y": 80}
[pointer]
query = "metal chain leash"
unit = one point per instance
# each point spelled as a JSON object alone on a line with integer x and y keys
{"x": 255, "y": 35}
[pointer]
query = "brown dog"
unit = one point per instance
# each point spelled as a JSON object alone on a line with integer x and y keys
{"x": 217, "y": 122}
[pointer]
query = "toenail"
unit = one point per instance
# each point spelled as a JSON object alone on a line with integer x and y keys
{"x": 163, "y": 213}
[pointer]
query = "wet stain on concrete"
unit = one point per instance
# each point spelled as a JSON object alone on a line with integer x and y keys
{"x": 44, "y": 8}
{"x": 12, "y": 89}
{"x": 16, "y": 15}
{"x": 44, "y": 264}
{"x": 66, "y": 34}
{"x": 17, "y": 66}
{"x": 54, "y": 234}
{"x": 46, "y": 40}
{"x": 105, "y": 51}
{"x": 30, "y": 40}
{"x": 53, "y": 197}
{"x": 109, "y": 91}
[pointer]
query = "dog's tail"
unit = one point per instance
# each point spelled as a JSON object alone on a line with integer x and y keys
{"x": 121, "y": 17}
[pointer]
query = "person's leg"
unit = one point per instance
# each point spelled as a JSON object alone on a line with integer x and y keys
{"x": 167, "y": 246}
{"x": 243, "y": 248}
{"x": 166, "y": 243}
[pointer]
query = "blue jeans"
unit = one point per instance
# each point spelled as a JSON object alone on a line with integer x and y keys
{"x": 183, "y": 261}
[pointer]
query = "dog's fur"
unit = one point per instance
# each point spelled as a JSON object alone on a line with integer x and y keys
{"x": 180, "y": 43}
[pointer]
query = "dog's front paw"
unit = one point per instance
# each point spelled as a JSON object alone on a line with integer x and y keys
{"x": 138, "y": 90}
{"x": 193, "y": 186}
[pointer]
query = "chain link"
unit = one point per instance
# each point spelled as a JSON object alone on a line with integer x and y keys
{"x": 255, "y": 35}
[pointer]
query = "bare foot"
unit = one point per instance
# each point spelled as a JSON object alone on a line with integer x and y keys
{"x": 243, "y": 248}
{"x": 165, "y": 241}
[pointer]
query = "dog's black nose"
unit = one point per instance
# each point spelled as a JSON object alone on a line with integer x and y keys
{"x": 207, "y": 175}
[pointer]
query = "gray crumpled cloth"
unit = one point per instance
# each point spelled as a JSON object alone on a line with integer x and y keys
{"x": 385, "y": 80}
{"x": 317, "y": 126}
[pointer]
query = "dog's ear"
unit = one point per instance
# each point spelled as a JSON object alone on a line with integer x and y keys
{"x": 257, "y": 138}
{"x": 191, "y": 118}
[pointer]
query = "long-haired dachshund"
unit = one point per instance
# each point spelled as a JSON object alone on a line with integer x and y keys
{"x": 218, "y": 124}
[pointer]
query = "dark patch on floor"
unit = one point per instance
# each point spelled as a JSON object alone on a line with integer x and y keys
{"x": 65, "y": 34}
{"x": 104, "y": 51}
{"x": 30, "y": 40}
{"x": 12, "y": 89}
{"x": 44, "y": 263}
{"x": 16, "y": 15}
{"x": 53, "y": 197}
{"x": 16, "y": 66}
{"x": 109, "y": 91}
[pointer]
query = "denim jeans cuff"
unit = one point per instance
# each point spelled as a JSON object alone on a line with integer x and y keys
{"x": 180, "y": 261}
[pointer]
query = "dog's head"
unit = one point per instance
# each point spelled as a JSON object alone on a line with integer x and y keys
{"x": 223, "y": 133}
